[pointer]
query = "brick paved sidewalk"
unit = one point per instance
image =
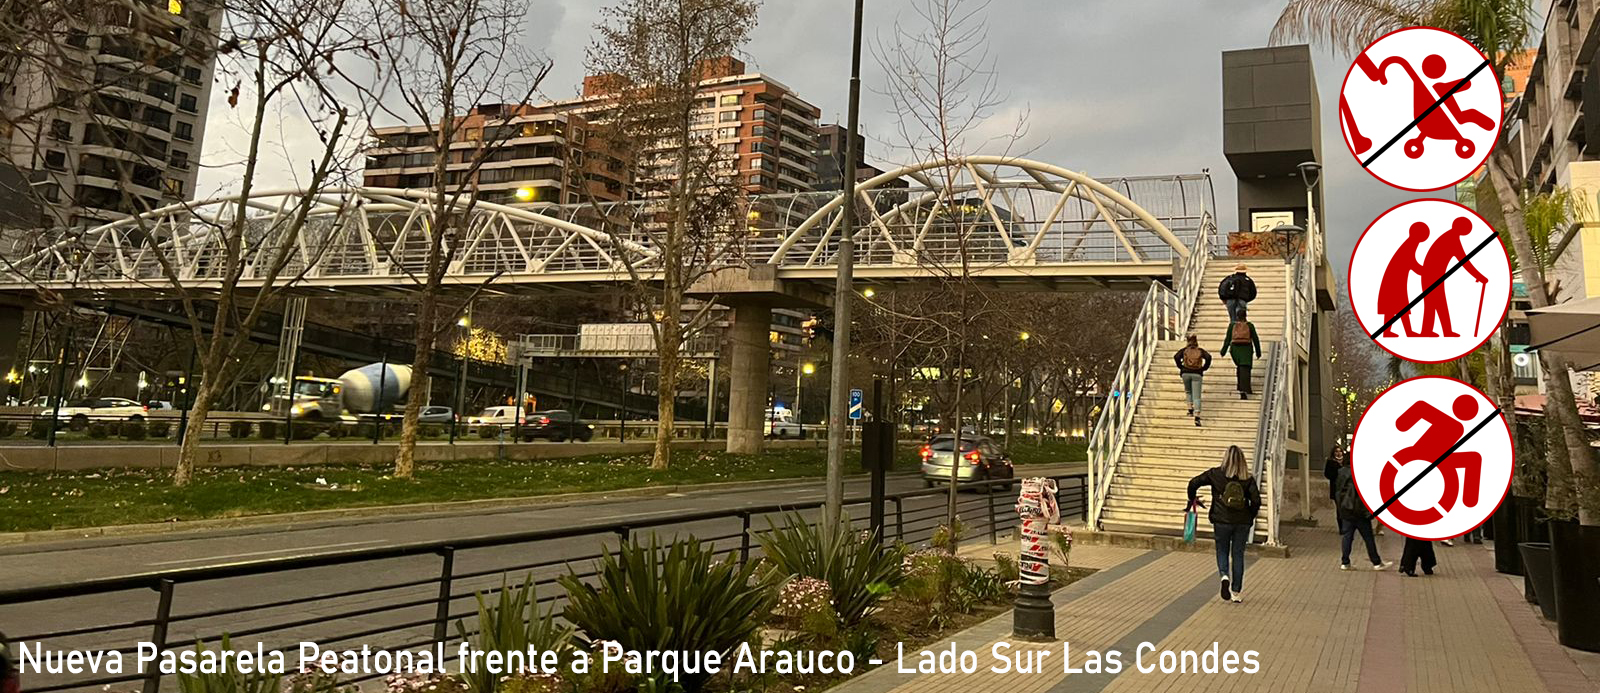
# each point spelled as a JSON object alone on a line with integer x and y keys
{"x": 1316, "y": 628}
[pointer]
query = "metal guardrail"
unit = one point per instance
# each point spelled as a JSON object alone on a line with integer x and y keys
{"x": 1165, "y": 314}
{"x": 704, "y": 346}
{"x": 425, "y": 603}
{"x": 1279, "y": 396}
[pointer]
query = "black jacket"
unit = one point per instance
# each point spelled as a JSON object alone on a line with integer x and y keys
{"x": 1330, "y": 471}
{"x": 1178, "y": 359}
{"x": 1345, "y": 478}
{"x": 1221, "y": 514}
{"x": 1237, "y": 285}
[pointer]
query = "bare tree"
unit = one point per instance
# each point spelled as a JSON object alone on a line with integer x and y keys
{"x": 653, "y": 56}
{"x": 445, "y": 57}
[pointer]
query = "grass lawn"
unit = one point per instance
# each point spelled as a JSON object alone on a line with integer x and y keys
{"x": 35, "y": 501}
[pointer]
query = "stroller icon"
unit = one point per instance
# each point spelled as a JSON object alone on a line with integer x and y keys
{"x": 1437, "y": 124}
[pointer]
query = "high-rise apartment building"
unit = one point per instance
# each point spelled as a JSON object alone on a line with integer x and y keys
{"x": 536, "y": 158}
{"x": 108, "y": 121}
{"x": 830, "y": 155}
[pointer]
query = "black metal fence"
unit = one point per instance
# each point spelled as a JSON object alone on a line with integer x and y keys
{"x": 407, "y": 596}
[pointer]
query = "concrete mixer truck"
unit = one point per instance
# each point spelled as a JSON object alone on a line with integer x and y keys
{"x": 373, "y": 389}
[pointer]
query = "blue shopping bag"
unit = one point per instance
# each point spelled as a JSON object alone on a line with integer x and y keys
{"x": 1189, "y": 519}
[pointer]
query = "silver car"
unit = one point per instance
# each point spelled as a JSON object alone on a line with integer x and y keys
{"x": 980, "y": 459}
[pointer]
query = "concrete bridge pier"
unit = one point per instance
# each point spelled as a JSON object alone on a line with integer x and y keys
{"x": 748, "y": 375}
{"x": 752, "y": 293}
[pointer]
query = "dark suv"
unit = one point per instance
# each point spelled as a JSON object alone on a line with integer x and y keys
{"x": 556, "y": 426}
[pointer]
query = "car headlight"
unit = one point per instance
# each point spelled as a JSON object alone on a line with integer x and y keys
{"x": 297, "y": 410}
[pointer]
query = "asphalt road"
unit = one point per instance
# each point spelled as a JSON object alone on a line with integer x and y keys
{"x": 400, "y": 611}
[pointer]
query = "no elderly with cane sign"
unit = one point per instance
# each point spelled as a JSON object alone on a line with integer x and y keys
{"x": 1430, "y": 281}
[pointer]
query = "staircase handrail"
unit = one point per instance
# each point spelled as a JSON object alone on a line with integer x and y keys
{"x": 1165, "y": 314}
{"x": 1277, "y": 400}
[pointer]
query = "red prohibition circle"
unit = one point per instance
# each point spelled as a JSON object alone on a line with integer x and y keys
{"x": 1350, "y": 456}
{"x": 1495, "y": 142}
{"x": 1349, "y": 291}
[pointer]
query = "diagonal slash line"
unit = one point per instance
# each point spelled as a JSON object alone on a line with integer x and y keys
{"x": 1436, "y": 284}
{"x": 1436, "y": 463}
{"x": 1429, "y": 111}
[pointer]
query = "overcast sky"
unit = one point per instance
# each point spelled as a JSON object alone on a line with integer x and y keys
{"x": 1111, "y": 87}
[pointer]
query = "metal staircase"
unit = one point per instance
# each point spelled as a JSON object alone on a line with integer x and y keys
{"x": 1145, "y": 447}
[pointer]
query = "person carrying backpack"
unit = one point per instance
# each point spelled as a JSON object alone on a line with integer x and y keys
{"x": 1235, "y": 501}
{"x": 1353, "y": 518}
{"x": 1236, "y": 291}
{"x": 1240, "y": 340}
{"x": 1192, "y": 364}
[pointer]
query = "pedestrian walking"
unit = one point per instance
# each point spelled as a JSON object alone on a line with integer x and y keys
{"x": 1236, "y": 291}
{"x": 1330, "y": 471}
{"x": 1353, "y": 518}
{"x": 1240, "y": 341}
{"x": 1235, "y": 501}
{"x": 1192, "y": 364}
{"x": 1417, "y": 551}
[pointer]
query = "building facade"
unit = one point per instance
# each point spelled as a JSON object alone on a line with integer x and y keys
{"x": 121, "y": 112}
{"x": 526, "y": 156}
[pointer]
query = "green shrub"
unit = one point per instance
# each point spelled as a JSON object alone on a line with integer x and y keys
{"x": 488, "y": 432}
{"x": 512, "y": 624}
{"x": 1006, "y": 567}
{"x": 98, "y": 430}
{"x": 229, "y": 679}
{"x": 7, "y": 428}
{"x": 39, "y": 429}
{"x": 160, "y": 429}
{"x": 305, "y": 430}
{"x": 132, "y": 430}
{"x": 267, "y": 430}
{"x": 364, "y": 430}
{"x": 946, "y": 585}
{"x": 239, "y": 429}
{"x": 858, "y": 567}
{"x": 677, "y": 597}
{"x": 338, "y": 430}
{"x": 431, "y": 431}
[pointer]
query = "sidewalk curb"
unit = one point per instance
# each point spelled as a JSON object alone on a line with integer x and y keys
{"x": 153, "y": 531}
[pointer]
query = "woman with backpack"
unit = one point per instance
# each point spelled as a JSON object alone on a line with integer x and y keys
{"x": 1353, "y": 518}
{"x": 1240, "y": 341}
{"x": 1235, "y": 501}
{"x": 1192, "y": 364}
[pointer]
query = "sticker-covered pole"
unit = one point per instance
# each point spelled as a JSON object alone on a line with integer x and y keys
{"x": 1034, "y": 617}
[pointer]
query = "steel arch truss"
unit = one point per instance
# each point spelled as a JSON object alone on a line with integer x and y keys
{"x": 1011, "y": 215}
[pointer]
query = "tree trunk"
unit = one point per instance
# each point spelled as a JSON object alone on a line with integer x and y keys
{"x": 405, "y": 460}
{"x": 190, "y": 449}
{"x": 671, "y": 334}
{"x": 1557, "y": 369}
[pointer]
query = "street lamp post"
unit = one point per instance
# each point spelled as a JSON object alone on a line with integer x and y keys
{"x": 838, "y": 384}
{"x": 807, "y": 369}
{"x": 1310, "y": 172}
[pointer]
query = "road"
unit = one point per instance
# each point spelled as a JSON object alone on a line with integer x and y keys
{"x": 400, "y": 607}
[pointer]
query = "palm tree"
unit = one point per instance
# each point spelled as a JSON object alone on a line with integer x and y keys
{"x": 1501, "y": 29}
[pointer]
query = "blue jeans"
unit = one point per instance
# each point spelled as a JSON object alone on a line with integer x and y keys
{"x": 1235, "y": 307}
{"x": 1191, "y": 389}
{"x": 1230, "y": 541}
{"x": 1347, "y": 532}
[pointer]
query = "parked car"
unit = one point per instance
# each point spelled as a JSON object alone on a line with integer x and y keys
{"x": 980, "y": 459}
{"x": 158, "y": 405}
{"x": 434, "y": 414}
{"x": 78, "y": 414}
{"x": 555, "y": 426}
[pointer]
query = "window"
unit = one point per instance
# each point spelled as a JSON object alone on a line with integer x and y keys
{"x": 729, "y": 116}
{"x": 174, "y": 6}
{"x": 180, "y": 160}
{"x": 61, "y": 130}
{"x": 730, "y": 99}
{"x": 172, "y": 186}
{"x": 759, "y": 147}
{"x": 51, "y": 192}
{"x": 760, "y": 114}
{"x": 184, "y": 131}
{"x": 188, "y": 103}
{"x": 77, "y": 38}
{"x": 728, "y": 134}
{"x": 191, "y": 75}
{"x": 55, "y": 160}
{"x": 758, "y": 180}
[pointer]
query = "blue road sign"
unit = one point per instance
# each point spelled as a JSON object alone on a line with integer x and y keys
{"x": 855, "y": 404}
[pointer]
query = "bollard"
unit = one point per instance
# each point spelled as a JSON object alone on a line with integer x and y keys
{"x": 1034, "y": 616}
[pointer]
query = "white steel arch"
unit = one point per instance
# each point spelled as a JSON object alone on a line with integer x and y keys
{"x": 1011, "y": 217}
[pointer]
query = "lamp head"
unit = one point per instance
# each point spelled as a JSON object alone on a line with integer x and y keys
{"x": 1310, "y": 172}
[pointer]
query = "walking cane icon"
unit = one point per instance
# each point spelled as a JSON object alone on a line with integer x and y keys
{"x": 1478, "y": 317}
